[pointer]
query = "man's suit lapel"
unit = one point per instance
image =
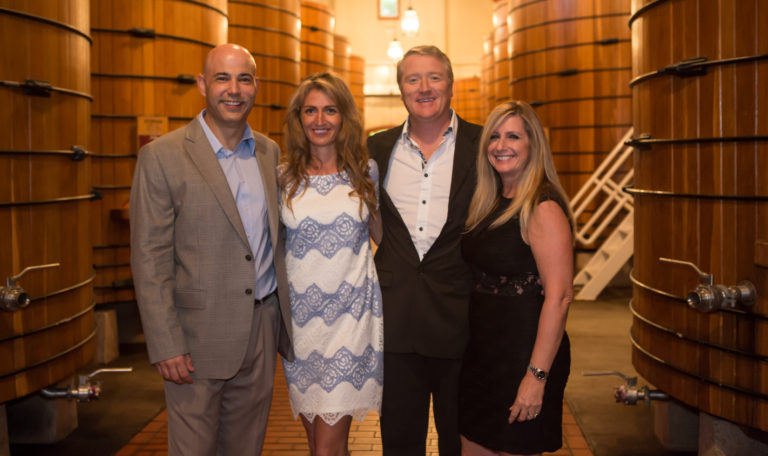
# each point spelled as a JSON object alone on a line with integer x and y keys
{"x": 199, "y": 150}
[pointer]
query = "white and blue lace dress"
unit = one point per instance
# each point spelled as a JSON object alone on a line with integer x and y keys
{"x": 336, "y": 303}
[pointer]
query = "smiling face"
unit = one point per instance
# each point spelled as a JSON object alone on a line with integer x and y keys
{"x": 229, "y": 86}
{"x": 320, "y": 119}
{"x": 425, "y": 88}
{"x": 509, "y": 149}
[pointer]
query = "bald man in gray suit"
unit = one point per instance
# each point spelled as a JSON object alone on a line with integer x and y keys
{"x": 207, "y": 262}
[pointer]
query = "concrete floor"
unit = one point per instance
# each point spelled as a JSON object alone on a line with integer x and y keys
{"x": 599, "y": 340}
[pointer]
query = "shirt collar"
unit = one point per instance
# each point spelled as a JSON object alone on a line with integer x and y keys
{"x": 216, "y": 145}
{"x": 451, "y": 130}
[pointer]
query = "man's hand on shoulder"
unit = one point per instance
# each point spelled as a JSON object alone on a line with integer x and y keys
{"x": 176, "y": 369}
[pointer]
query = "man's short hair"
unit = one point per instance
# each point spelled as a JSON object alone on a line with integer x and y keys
{"x": 429, "y": 50}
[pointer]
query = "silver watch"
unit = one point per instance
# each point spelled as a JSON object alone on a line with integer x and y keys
{"x": 538, "y": 373}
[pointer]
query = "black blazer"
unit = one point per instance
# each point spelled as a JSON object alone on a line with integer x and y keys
{"x": 425, "y": 302}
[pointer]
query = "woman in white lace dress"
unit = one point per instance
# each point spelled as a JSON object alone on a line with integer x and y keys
{"x": 328, "y": 191}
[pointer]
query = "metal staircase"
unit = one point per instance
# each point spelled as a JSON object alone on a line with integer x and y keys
{"x": 605, "y": 186}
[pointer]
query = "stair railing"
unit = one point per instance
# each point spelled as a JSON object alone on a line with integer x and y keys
{"x": 602, "y": 181}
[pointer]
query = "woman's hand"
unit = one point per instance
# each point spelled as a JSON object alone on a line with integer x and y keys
{"x": 527, "y": 404}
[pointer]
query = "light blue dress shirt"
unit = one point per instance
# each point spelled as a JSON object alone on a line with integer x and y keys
{"x": 242, "y": 172}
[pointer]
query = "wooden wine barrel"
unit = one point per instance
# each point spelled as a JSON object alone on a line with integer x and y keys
{"x": 146, "y": 56}
{"x": 271, "y": 30}
{"x": 45, "y": 195}
{"x": 487, "y": 87}
{"x": 571, "y": 60}
{"x": 701, "y": 195}
{"x": 467, "y": 100}
{"x": 357, "y": 81}
{"x": 317, "y": 25}
{"x": 341, "y": 52}
{"x": 501, "y": 88}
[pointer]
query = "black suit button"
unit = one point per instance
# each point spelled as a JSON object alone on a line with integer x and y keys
{"x": 248, "y": 257}
{"x": 248, "y": 291}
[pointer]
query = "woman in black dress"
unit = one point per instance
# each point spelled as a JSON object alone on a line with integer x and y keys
{"x": 519, "y": 244}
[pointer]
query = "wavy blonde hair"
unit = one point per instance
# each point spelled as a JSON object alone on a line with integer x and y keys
{"x": 351, "y": 153}
{"x": 539, "y": 177}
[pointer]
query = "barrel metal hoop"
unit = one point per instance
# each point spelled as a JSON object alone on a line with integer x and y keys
{"x": 112, "y": 187}
{"x": 603, "y": 42}
{"x": 278, "y": 81}
{"x": 111, "y": 265}
{"x": 65, "y": 290}
{"x": 309, "y": 43}
{"x": 314, "y": 28}
{"x": 312, "y": 7}
{"x": 272, "y": 106}
{"x": 111, "y": 246}
{"x": 645, "y": 141}
{"x": 666, "y": 294}
{"x": 68, "y": 199}
{"x": 569, "y": 72}
{"x": 128, "y": 117}
{"x": 567, "y": 19}
{"x": 324, "y": 64}
{"x": 274, "y": 56}
{"x": 52, "y": 325}
{"x": 76, "y": 153}
{"x": 48, "y": 21}
{"x": 695, "y": 376}
{"x": 151, "y": 34}
{"x": 643, "y": 9}
{"x": 122, "y": 156}
{"x": 575, "y": 127}
{"x": 266, "y": 29}
{"x": 523, "y": 5}
{"x": 115, "y": 303}
{"x": 181, "y": 78}
{"x": 54, "y": 357}
{"x": 696, "y": 66}
{"x": 537, "y": 103}
{"x": 638, "y": 191}
{"x": 205, "y": 5}
{"x": 37, "y": 88}
{"x": 271, "y": 7}
{"x": 684, "y": 337}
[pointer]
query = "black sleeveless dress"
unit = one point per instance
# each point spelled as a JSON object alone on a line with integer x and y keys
{"x": 503, "y": 316}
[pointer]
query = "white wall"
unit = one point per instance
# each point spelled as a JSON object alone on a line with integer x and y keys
{"x": 455, "y": 26}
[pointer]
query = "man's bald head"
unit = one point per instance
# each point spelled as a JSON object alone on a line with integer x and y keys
{"x": 229, "y": 85}
{"x": 224, "y": 51}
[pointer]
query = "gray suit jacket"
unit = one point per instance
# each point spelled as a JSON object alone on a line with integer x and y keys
{"x": 191, "y": 262}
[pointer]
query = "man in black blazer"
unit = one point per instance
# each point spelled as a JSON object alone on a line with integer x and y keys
{"x": 427, "y": 168}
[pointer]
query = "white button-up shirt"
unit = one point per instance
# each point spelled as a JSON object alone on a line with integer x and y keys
{"x": 420, "y": 188}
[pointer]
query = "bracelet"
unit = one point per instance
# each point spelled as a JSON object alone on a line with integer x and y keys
{"x": 540, "y": 374}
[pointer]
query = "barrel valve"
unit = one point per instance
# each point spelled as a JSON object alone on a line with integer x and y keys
{"x": 708, "y": 297}
{"x": 85, "y": 391}
{"x": 12, "y": 296}
{"x": 630, "y": 393}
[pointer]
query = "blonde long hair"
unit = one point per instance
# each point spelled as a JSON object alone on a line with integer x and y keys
{"x": 351, "y": 154}
{"x": 538, "y": 178}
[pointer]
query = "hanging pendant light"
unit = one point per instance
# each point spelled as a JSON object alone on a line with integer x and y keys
{"x": 395, "y": 49}
{"x": 410, "y": 22}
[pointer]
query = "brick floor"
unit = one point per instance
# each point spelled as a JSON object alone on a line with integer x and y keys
{"x": 285, "y": 436}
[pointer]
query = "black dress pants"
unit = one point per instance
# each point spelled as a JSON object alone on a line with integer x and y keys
{"x": 409, "y": 381}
